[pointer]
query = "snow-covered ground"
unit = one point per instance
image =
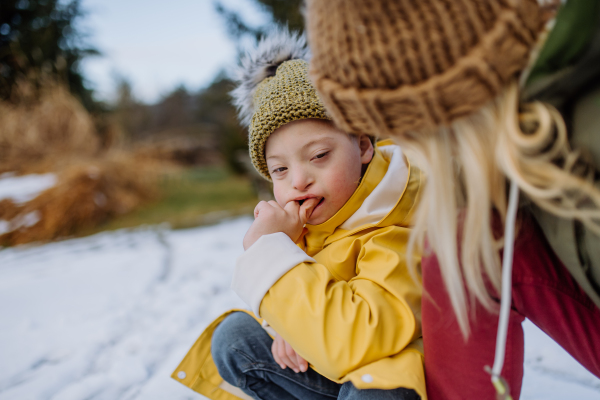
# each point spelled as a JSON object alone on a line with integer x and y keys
{"x": 110, "y": 316}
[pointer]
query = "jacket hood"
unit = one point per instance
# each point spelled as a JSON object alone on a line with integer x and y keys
{"x": 386, "y": 196}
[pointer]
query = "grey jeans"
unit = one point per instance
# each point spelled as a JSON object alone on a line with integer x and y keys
{"x": 241, "y": 350}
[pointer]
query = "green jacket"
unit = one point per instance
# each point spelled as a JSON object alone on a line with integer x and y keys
{"x": 567, "y": 75}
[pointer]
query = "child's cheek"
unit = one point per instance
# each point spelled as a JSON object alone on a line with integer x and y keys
{"x": 279, "y": 193}
{"x": 343, "y": 183}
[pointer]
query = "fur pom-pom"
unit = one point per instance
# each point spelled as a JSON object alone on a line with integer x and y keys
{"x": 262, "y": 62}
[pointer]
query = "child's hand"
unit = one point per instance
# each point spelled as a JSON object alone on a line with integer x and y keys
{"x": 270, "y": 217}
{"x": 284, "y": 355}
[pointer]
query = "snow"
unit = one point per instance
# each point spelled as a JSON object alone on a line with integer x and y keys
{"x": 27, "y": 220}
{"x": 5, "y": 227}
{"x": 110, "y": 316}
{"x": 21, "y": 189}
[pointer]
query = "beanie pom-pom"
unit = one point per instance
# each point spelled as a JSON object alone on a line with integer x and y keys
{"x": 262, "y": 62}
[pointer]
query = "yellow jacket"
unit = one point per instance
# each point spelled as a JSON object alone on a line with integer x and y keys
{"x": 343, "y": 296}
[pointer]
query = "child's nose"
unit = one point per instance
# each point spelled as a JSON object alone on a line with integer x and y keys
{"x": 302, "y": 180}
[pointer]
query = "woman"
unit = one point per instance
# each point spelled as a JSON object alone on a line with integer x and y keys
{"x": 455, "y": 83}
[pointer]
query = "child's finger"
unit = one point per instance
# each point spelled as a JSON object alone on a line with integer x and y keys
{"x": 302, "y": 363}
{"x": 258, "y": 207}
{"x": 275, "y": 349}
{"x": 292, "y": 207}
{"x": 274, "y": 352}
{"x": 291, "y": 354}
{"x": 274, "y": 204}
{"x": 307, "y": 208}
{"x": 282, "y": 355}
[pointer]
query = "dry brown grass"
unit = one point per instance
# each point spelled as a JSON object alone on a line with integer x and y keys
{"x": 52, "y": 132}
{"x": 87, "y": 193}
{"x": 53, "y": 123}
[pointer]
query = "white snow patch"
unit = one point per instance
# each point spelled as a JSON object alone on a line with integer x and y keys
{"x": 21, "y": 189}
{"x": 551, "y": 373}
{"x": 21, "y": 221}
{"x": 4, "y": 227}
{"x": 110, "y": 316}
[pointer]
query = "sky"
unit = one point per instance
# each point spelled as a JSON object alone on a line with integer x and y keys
{"x": 158, "y": 45}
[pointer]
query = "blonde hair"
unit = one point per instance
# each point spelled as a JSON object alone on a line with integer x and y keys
{"x": 467, "y": 166}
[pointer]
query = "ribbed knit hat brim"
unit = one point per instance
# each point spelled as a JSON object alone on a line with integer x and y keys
{"x": 386, "y": 67}
{"x": 288, "y": 96}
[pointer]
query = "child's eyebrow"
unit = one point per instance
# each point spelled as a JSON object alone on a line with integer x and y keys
{"x": 303, "y": 148}
{"x": 316, "y": 141}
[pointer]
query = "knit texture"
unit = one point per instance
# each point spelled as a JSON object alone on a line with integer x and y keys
{"x": 288, "y": 96}
{"x": 389, "y": 67}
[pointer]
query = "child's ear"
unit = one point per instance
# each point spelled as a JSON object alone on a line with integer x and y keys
{"x": 366, "y": 149}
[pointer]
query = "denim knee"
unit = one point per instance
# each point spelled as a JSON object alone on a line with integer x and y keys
{"x": 230, "y": 346}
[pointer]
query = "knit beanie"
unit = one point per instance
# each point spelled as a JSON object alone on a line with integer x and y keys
{"x": 273, "y": 89}
{"x": 389, "y": 67}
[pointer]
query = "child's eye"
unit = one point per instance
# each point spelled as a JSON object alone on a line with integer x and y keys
{"x": 278, "y": 170}
{"x": 322, "y": 155}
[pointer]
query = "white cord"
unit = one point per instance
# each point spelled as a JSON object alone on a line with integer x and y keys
{"x": 506, "y": 299}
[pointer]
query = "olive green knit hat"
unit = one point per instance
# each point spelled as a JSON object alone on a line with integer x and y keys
{"x": 274, "y": 89}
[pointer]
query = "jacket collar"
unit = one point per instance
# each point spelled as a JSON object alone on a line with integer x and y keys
{"x": 318, "y": 236}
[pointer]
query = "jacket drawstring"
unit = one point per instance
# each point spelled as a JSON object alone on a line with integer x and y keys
{"x": 502, "y": 389}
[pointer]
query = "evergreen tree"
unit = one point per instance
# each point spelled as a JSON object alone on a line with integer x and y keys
{"x": 216, "y": 111}
{"x": 281, "y": 12}
{"x": 39, "y": 41}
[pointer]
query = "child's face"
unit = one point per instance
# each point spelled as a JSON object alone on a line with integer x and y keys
{"x": 311, "y": 158}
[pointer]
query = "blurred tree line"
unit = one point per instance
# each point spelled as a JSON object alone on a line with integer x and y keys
{"x": 39, "y": 40}
{"x": 207, "y": 114}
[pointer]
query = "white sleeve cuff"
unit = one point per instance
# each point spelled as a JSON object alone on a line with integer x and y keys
{"x": 267, "y": 260}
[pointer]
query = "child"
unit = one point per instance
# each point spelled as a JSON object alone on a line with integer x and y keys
{"x": 324, "y": 264}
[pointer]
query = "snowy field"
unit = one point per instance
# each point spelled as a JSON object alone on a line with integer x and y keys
{"x": 108, "y": 317}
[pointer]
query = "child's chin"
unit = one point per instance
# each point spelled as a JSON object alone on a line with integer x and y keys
{"x": 317, "y": 219}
